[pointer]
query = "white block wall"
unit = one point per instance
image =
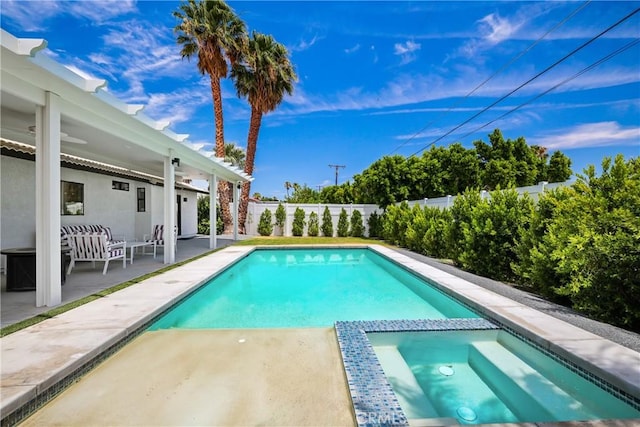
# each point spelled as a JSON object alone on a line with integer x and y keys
{"x": 533, "y": 191}
{"x": 256, "y": 209}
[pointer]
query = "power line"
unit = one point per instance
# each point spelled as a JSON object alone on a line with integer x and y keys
{"x": 576, "y": 75}
{"x": 573, "y": 52}
{"x": 504, "y": 67}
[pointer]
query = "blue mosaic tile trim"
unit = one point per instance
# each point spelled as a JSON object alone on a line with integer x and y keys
{"x": 629, "y": 399}
{"x": 374, "y": 402}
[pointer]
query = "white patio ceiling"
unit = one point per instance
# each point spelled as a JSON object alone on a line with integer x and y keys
{"x": 115, "y": 132}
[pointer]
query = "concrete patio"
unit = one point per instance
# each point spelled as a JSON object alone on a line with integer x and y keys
{"x": 85, "y": 280}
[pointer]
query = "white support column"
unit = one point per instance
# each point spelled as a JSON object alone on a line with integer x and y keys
{"x": 236, "y": 196}
{"x": 213, "y": 215}
{"x": 48, "y": 269}
{"x": 169, "y": 210}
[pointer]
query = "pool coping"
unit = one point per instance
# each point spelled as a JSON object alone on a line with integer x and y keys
{"x": 39, "y": 361}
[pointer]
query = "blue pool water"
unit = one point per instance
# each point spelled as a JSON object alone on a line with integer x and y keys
{"x": 476, "y": 377}
{"x": 277, "y": 288}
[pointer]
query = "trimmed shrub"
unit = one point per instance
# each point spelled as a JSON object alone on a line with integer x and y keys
{"x": 434, "y": 241}
{"x": 395, "y": 224}
{"x": 489, "y": 243}
{"x": 281, "y": 217}
{"x": 375, "y": 225}
{"x": 357, "y": 228}
{"x": 593, "y": 240}
{"x": 312, "y": 230}
{"x": 298, "y": 222}
{"x": 343, "y": 224}
{"x": 265, "y": 227}
{"x": 327, "y": 223}
{"x": 461, "y": 210}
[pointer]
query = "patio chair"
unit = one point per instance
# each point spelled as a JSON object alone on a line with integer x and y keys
{"x": 95, "y": 247}
{"x": 157, "y": 238}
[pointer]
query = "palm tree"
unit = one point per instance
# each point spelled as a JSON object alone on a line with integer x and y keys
{"x": 236, "y": 156}
{"x": 264, "y": 76}
{"x": 210, "y": 30}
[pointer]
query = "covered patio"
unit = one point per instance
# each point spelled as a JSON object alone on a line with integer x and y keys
{"x": 85, "y": 280}
{"x": 47, "y": 105}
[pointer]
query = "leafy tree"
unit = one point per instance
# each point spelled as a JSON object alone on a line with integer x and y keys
{"x": 281, "y": 217}
{"x": 343, "y": 224}
{"x": 298, "y": 222}
{"x": 203, "y": 217}
{"x": 357, "y": 228}
{"x": 374, "y": 224}
{"x": 303, "y": 194}
{"x": 383, "y": 182}
{"x": 313, "y": 224}
{"x": 327, "y": 223}
{"x": 265, "y": 227}
{"x": 338, "y": 194}
{"x": 264, "y": 75}
{"x": 211, "y": 31}
{"x": 559, "y": 167}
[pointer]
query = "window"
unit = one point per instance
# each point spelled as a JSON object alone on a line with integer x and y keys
{"x": 119, "y": 185}
{"x": 71, "y": 198}
{"x": 142, "y": 201}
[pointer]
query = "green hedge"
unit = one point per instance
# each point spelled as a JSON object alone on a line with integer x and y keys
{"x": 578, "y": 245}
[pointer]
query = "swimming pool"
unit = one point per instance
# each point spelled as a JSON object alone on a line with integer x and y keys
{"x": 275, "y": 288}
{"x": 490, "y": 376}
{"x": 466, "y": 371}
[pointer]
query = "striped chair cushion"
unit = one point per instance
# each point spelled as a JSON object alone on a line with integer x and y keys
{"x": 85, "y": 228}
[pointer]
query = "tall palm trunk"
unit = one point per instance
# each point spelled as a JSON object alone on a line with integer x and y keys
{"x": 223, "y": 194}
{"x": 252, "y": 142}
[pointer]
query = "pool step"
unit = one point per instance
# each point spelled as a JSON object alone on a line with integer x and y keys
{"x": 516, "y": 382}
{"x": 433, "y": 422}
{"x": 412, "y": 399}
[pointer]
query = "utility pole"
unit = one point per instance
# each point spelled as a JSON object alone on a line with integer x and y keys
{"x": 337, "y": 167}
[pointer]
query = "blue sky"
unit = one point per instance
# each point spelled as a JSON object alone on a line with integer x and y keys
{"x": 375, "y": 78}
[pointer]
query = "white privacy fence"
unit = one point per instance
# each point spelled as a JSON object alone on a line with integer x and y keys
{"x": 256, "y": 209}
{"x": 445, "y": 202}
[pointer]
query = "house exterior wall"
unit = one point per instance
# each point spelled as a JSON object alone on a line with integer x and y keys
{"x": 103, "y": 205}
{"x": 17, "y": 212}
{"x": 189, "y": 209}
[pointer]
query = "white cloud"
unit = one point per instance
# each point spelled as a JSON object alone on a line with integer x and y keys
{"x": 602, "y": 134}
{"x": 496, "y": 29}
{"x": 177, "y": 106}
{"x": 25, "y": 15}
{"x": 406, "y": 51}
{"x": 32, "y": 15}
{"x": 353, "y": 49}
{"x": 304, "y": 44}
{"x": 101, "y": 11}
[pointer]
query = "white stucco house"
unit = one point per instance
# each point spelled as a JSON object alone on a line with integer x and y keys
{"x": 73, "y": 153}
